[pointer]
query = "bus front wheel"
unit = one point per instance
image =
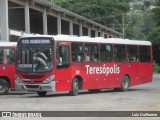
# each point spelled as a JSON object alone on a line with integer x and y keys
{"x": 4, "y": 87}
{"x": 75, "y": 87}
{"x": 42, "y": 94}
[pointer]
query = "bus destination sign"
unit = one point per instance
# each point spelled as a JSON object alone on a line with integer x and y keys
{"x": 36, "y": 41}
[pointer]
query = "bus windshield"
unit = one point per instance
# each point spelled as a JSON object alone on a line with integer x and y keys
{"x": 35, "y": 56}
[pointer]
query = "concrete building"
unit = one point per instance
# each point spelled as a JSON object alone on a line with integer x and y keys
{"x": 41, "y": 17}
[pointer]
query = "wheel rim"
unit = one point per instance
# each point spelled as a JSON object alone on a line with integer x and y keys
{"x": 125, "y": 82}
{"x": 2, "y": 87}
{"x": 76, "y": 87}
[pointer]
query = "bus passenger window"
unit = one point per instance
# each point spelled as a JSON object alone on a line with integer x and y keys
{"x": 96, "y": 58}
{"x": 6, "y": 56}
{"x": 77, "y": 52}
{"x": 5, "y": 61}
{"x": 86, "y": 57}
{"x": 106, "y": 53}
{"x": 91, "y": 53}
{"x": 132, "y": 53}
{"x": 120, "y": 53}
{"x": 144, "y": 54}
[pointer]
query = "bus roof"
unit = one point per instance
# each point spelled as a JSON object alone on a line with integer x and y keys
{"x": 92, "y": 40}
{"x": 8, "y": 44}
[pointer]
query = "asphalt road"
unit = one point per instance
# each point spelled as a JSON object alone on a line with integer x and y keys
{"x": 144, "y": 97}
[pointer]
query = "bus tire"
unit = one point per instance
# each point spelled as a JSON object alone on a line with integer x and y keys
{"x": 42, "y": 94}
{"x": 75, "y": 87}
{"x": 4, "y": 87}
{"x": 125, "y": 84}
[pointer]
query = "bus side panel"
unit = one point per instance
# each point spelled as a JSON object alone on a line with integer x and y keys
{"x": 115, "y": 72}
{"x": 9, "y": 72}
{"x": 130, "y": 69}
{"x": 103, "y": 78}
{"x": 65, "y": 76}
{"x": 134, "y": 73}
{"x": 90, "y": 77}
{"x": 62, "y": 78}
{"x": 146, "y": 71}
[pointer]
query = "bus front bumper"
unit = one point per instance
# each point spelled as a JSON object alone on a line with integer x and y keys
{"x": 50, "y": 87}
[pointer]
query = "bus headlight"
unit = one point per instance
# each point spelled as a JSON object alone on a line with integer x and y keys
{"x": 49, "y": 79}
{"x": 18, "y": 79}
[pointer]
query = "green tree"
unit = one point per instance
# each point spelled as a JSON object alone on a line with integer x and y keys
{"x": 156, "y": 12}
{"x": 134, "y": 31}
{"x": 154, "y": 36}
{"x": 138, "y": 7}
{"x": 101, "y": 11}
{"x": 110, "y": 14}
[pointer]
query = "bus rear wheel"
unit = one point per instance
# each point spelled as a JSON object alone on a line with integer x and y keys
{"x": 75, "y": 87}
{"x": 125, "y": 84}
{"x": 42, "y": 94}
{"x": 4, "y": 87}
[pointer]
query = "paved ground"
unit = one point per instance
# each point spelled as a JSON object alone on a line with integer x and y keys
{"x": 140, "y": 98}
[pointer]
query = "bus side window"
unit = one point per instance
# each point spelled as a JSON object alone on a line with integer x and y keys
{"x": 6, "y": 56}
{"x": 106, "y": 53}
{"x": 63, "y": 56}
{"x": 10, "y": 56}
{"x": 144, "y": 54}
{"x": 120, "y": 53}
{"x": 91, "y": 53}
{"x": 132, "y": 53}
{"x": 77, "y": 52}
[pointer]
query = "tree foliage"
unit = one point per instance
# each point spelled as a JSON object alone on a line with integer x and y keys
{"x": 156, "y": 12}
{"x": 154, "y": 36}
{"x": 101, "y": 11}
{"x": 109, "y": 13}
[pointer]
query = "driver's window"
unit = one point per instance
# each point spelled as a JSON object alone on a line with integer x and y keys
{"x": 63, "y": 56}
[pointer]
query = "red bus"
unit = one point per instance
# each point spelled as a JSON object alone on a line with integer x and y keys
{"x": 66, "y": 63}
{"x": 7, "y": 66}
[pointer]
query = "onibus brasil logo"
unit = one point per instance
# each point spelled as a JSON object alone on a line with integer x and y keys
{"x": 103, "y": 69}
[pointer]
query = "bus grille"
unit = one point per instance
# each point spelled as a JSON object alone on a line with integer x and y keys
{"x": 33, "y": 76}
{"x": 32, "y": 86}
{"x": 33, "y": 82}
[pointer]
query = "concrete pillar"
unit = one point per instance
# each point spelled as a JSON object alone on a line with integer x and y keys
{"x": 96, "y": 33}
{"x": 59, "y": 24}
{"x": 27, "y": 18}
{"x": 4, "y": 20}
{"x": 107, "y": 34}
{"x": 102, "y": 34}
{"x": 80, "y": 30}
{"x": 71, "y": 27}
{"x": 89, "y": 32}
{"x": 45, "y": 29}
